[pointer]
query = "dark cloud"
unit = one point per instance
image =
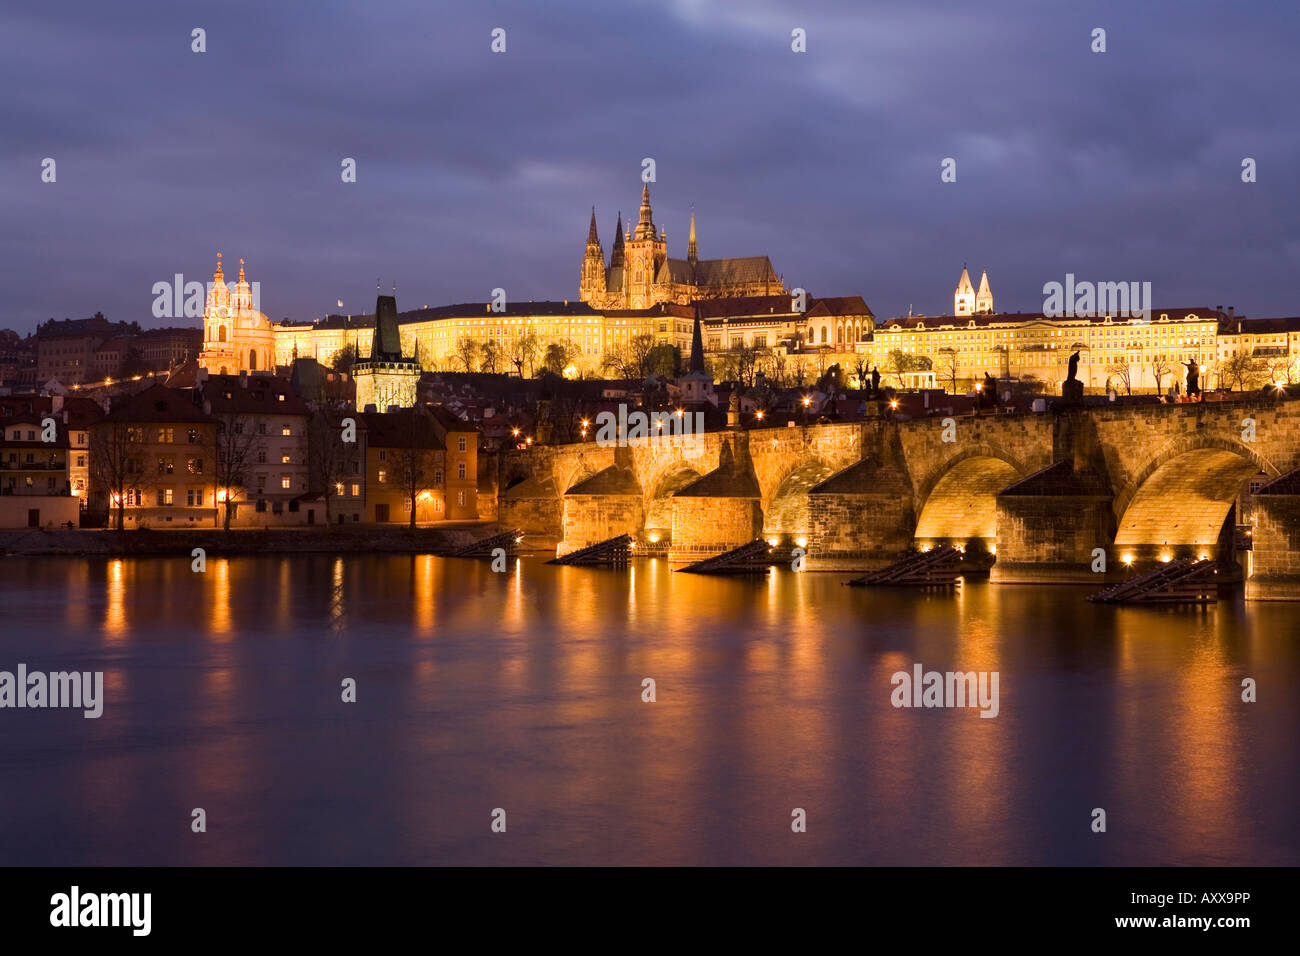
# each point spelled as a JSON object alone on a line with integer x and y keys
{"x": 478, "y": 170}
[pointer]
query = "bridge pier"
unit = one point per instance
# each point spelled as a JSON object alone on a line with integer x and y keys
{"x": 533, "y": 506}
{"x": 720, "y": 511}
{"x": 1274, "y": 561}
{"x": 1048, "y": 526}
{"x": 604, "y": 506}
{"x": 861, "y": 518}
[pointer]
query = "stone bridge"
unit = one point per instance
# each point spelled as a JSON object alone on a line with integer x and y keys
{"x": 1041, "y": 491}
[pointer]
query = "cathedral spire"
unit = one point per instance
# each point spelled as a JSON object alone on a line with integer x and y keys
{"x": 616, "y": 254}
{"x": 592, "y": 238}
{"x": 691, "y": 257}
{"x": 645, "y": 228}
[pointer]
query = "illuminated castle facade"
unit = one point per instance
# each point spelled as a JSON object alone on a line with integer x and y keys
{"x": 236, "y": 337}
{"x": 640, "y": 273}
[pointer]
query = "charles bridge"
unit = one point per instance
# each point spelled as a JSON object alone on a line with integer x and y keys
{"x": 1042, "y": 491}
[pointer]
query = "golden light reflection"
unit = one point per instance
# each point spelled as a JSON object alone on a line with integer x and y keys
{"x": 336, "y": 597}
{"x": 115, "y": 611}
{"x": 218, "y": 577}
{"x": 424, "y": 595}
{"x": 284, "y": 602}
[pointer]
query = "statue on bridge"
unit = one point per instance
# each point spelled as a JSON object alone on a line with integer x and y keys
{"x": 875, "y": 380}
{"x": 1193, "y": 379}
{"x": 1072, "y": 388}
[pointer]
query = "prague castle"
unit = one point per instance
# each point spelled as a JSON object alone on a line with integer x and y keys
{"x": 640, "y": 273}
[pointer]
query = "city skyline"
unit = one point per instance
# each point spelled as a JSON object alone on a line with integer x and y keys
{"x": 483, "y": 186}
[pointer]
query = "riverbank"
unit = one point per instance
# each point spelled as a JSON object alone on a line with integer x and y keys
{"x": 215, "y": 542}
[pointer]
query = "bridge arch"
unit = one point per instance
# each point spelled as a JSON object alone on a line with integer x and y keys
{"x": 958, "y": 500}
{"x": 787, "y": 512}
{"x": 572, "y": 473}
{"x": 1182, "y": 496}
{"x": 659, "y": 508}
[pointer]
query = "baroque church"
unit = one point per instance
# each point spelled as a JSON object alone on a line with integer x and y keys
{"x": 640, "y": 273}
{"x": 236, "y": 337}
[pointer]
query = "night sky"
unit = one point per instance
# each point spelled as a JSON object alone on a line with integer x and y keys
{"x": 477, "y": 170}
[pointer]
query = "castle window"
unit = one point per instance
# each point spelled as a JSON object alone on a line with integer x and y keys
{"x": 221, "y": 337}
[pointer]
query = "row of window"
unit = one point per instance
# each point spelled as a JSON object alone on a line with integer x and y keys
{"x": 437, "y": 475}
{"x": 165, "y": 497}
{"x": 28, "y": 482}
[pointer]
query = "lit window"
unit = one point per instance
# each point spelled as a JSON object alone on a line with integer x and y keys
{"x": 383, "y": 476}
{"x": 284, "y": 482}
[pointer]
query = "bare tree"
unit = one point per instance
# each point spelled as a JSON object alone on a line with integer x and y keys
{"x": 524, "y": 351}
{"x": 329, "y": 458}
{"x": 467, "y": 351}
{"x": 413, "y": 469}
{"x": 492, "y": 353}
{"x": 1280, "y": 368}
{"x": 1121, "y": 370}
{"x": 558, "y": 356}
{"x": 1240, "y": 372}
{"x": 1160, "y": 368}
{"x": 115, "y": 462}
{"x": 946, "y": 367}
{"x": 238, "y": 441}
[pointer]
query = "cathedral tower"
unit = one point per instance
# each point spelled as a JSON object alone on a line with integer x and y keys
{"x": 645, "y": 253}
{"x": 591, "y": 285}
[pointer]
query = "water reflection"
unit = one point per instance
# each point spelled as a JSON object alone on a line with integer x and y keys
{"x": 524, "y": 689}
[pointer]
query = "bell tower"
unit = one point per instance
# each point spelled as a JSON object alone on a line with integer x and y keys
{"x": 963, "y": 300}
{"x": 591, "y": 284}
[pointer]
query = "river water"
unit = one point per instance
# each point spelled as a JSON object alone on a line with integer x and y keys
{"x": 522, "y": 691}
